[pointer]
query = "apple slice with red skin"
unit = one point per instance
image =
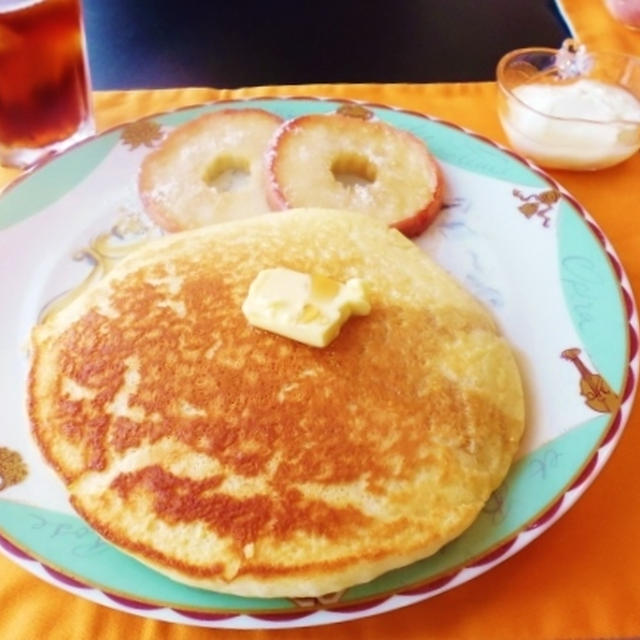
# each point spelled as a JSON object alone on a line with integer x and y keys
{"x": 208, "y": 170}
{"x": 399, "y": 180}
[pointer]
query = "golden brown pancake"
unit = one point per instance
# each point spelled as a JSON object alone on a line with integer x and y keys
{"x": 238, "y": 460}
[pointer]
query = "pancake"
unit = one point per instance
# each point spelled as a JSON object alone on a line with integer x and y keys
{"x": 234, "y": 459}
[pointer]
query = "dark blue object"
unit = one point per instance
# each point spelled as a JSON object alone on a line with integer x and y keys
{"x": 145, "y": 43}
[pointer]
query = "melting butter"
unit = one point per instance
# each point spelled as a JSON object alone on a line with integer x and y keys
{"x": 309, "y": 308}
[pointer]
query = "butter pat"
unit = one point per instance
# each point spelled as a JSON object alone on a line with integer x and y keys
{"x": 306, "y": 307}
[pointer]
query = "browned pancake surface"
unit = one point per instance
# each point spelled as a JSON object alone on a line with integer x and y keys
{"x": 157, "y": 402}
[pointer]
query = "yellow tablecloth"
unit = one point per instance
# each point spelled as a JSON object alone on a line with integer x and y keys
{"x": 591, "y": 23}
{"x": 580, "y": 579}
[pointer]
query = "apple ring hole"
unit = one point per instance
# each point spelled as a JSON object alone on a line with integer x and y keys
{"x": 351, "y": 169}
{"x": 227, "y": 173}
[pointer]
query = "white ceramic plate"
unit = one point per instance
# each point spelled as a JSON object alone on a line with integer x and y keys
{"x": 508, "y": 233}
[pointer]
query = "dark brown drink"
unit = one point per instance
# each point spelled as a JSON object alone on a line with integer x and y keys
{"x": 44, "y": 83}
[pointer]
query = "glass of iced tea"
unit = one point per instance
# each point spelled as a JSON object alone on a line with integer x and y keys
{"x": 45, "y": 90}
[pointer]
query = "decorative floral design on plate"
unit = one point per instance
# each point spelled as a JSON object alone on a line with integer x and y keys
{"x": 142, "y": 133}
{"x": 13, "y": 469}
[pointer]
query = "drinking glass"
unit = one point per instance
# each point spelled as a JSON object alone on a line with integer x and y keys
{"x": 627, "y": 12}
{"x": 45, "y": 88}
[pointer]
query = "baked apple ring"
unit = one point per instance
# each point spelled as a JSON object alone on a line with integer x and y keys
{"x": 209, "y": 170}
{"x": 346, "y": 162}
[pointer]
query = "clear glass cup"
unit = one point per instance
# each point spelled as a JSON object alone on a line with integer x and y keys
{"x": 627, "y": 12}
{"x": 570, "y": 108}
{"x": 45, "y": 88}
